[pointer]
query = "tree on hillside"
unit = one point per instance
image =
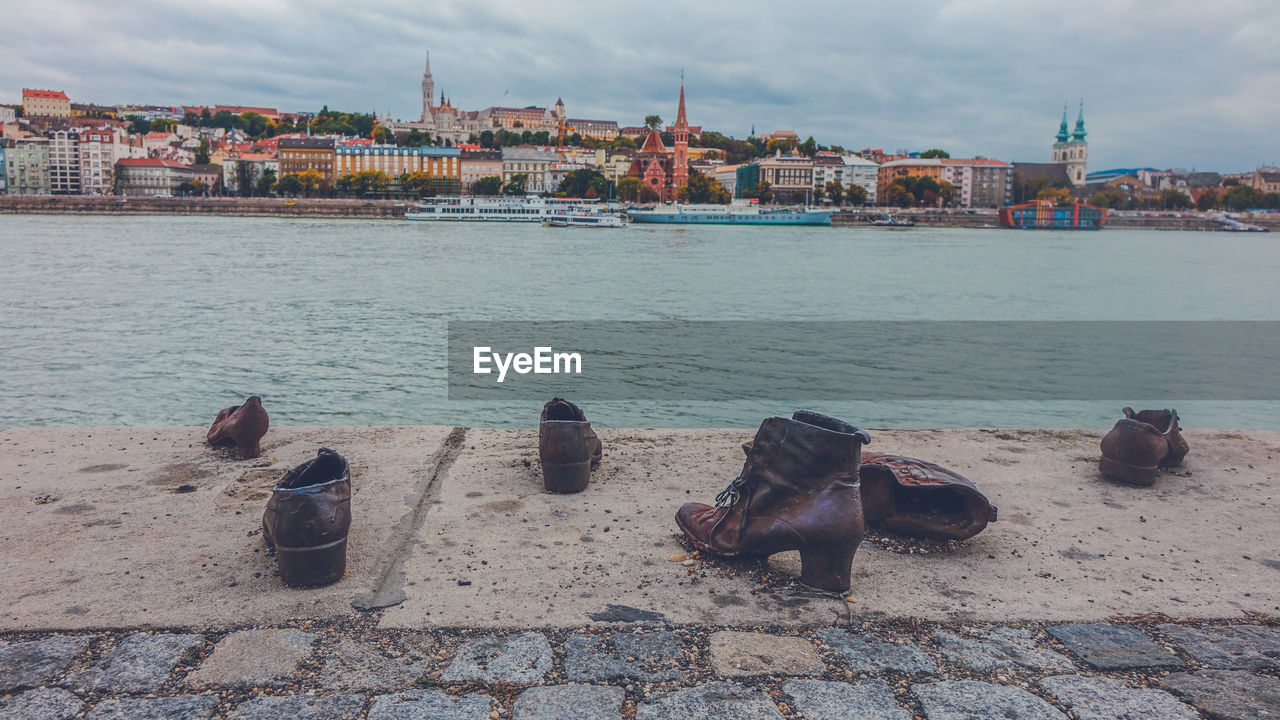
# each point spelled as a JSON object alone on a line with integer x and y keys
{"x": 1174, "y": 199}
{"x": 934, "y": 153}
{"x": 202, "y": 152}
{"x": 253, "y": 124}
{"x": 1109, "y": 197}
{"x": 363, "y": 181}
{"x": 702, "y": 189}
{"x": 576, "y": 183}
{"x": 488, "y": 185}
{"x": 517, "y": 185}
{"x": 1241, "y": 197}
{"x": 835, "y": 191}
{"x": 415, "y": 182}
{"x": 786, "y": 145}
{"x": 947, "y": 193}
{"x": 311, "y": 180}
{"x": 622, "y": 141}
{"x": 653, "y": 122}
{"x": 265, "y": 183}
{"x": 1059, "y": 196}
{"x": 289, "y": 185}
{"x": 808, "y": 148}
{"x": 138, "y": 125}
{"x": 1207, "y": 201}
{"x": 856, "y": 195}
{"x": 629, "y": 188}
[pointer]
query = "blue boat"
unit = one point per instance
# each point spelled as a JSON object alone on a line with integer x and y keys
{"x": 730, "y": 215}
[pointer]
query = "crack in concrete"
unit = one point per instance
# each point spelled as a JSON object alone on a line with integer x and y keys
{"x": 389, "y": 587}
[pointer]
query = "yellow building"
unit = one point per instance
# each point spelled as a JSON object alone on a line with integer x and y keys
{"x": 914, "y": 167}
{"x": 45, "y": 103}
{"x": 443, "y": 164}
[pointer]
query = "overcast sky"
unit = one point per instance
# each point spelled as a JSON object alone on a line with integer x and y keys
{"x": 1166, "y": 83}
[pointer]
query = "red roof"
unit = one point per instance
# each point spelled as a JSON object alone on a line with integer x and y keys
{"x": 51, "y": 94}
{"x": 151, "y": 162}
{"x": 653, "y": 143}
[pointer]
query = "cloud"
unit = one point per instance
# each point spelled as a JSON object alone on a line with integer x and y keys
{"x": 1166, "y": 82}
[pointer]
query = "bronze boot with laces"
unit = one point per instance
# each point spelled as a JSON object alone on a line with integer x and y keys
{"x": 798, "y": 490}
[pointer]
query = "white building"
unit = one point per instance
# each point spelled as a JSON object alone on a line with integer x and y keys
{"x": 533, "y": 162}
{"x": 64, "y": 162}
{"x": 861, "y": 171}
{"x": 97, "y": 159}
{"x": 8, "y": 114}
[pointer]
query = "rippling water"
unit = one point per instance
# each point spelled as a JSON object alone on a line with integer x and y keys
{"x": 153, "y": 320}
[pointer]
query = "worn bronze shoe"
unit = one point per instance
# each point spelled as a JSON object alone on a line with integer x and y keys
{"x": 798, "y": 490}
{"x": 307, "y": 520}
{"x": 920, "y": 499}
{"x": 242, "y": 426}
{"x": 567, "y": 447}
{"x": 1140, "y": 443}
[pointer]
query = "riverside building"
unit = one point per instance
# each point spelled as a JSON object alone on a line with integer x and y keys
{"x": 443, "y": 164}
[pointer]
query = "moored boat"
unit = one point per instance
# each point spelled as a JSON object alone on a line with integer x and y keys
{"x": 736, "y": 214}
{"x": 497, "y": 209}
{"x": 588, "y": 220}
{"x": 1045, "y": 215}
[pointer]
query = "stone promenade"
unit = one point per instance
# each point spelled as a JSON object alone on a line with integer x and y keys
{"x": 136, "y": 585}
{"x": 885, "y": 670}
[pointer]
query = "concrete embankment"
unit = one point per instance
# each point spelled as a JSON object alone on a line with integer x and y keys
{"x": 299, "y": 207}
{"x": 989, "y": 219}
{"x": 131, "y": 527}
{"x": 333, "y": 207}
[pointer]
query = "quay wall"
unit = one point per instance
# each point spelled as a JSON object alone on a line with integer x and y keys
{"x": 332, "y": 207}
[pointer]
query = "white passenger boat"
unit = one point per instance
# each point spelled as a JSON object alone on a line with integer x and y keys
{"x": 585, "y": 219}
{"x": 497, "y": 209}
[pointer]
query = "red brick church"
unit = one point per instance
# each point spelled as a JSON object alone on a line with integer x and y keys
{"x": 661, "y": 169}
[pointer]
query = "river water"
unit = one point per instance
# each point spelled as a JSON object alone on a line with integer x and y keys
{"x": 161, "y": 320}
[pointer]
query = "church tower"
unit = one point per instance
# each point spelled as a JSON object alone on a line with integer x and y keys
{"x": 680, "y": 157}
{"x": 1078, "y": 153}
{"x": 1071, "y": 148}
{"x": 428, "y": 90}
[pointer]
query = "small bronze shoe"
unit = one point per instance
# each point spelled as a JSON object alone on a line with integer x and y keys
{"x": 1139, "y": 444}
{"x": 307, "y": 520}
{"x": 242, "y": 426}
{"x": 567, "y": 447}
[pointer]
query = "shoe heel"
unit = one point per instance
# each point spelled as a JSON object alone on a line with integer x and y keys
{"x": 566, "y": 478}
{"x": 308, "y": 567}
{"x": 1127, "y": 474}
{"x": 827, "y": 568}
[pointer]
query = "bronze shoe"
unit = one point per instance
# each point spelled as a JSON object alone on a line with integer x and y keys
{"x": 241, "y": 425}
{"x": 567, "y": 447}
{"x": 798, "y": 490}
{"x": 1139, "y": 444}
{"x": 307, "y": 520}
{"x": 920, "y": 499}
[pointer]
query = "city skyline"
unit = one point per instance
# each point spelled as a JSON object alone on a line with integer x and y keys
{"x": 1164, "y": 84}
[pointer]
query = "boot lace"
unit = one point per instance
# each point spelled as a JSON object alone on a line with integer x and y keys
{"x": 732, "y": 494}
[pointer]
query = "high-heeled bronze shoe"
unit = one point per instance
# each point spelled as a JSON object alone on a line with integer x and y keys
{"x": 241, "y": 425}
{"x": 798, "y": 490}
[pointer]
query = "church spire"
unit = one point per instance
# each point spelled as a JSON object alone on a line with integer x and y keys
{"x": 1062, "y": 129}
{"x": 682, "y": 123}
{"x": 1079, "y": 134}
{"x": 428, "y": 89}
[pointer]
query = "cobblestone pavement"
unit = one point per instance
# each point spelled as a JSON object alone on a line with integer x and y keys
{"x": 1128, "y": 669}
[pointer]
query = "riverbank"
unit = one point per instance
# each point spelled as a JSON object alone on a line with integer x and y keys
{"x": 338, "y": 208}
{"x": 126, "y": 527}
{"x": 137, "y": 585}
